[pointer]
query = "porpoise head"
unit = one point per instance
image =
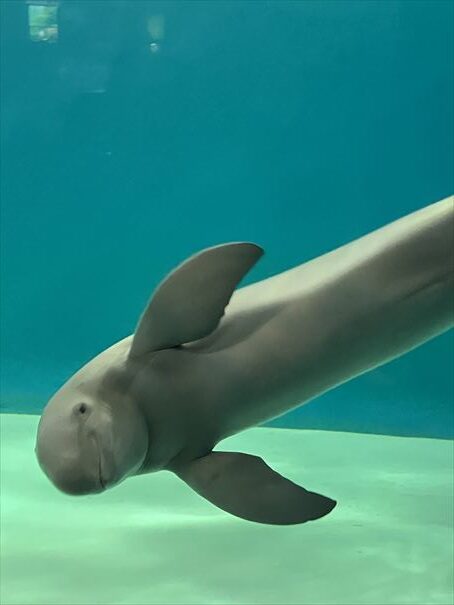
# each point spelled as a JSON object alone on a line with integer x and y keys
{"x": 90, "y": 439}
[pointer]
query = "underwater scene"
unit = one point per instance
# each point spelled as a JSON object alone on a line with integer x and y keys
{"x": 227, "y": 300}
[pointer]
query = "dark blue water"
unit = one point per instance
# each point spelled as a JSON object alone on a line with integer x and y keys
{"x": 297, "y": 125}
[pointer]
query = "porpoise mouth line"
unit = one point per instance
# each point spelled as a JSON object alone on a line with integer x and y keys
{"x": 102, "y": 483}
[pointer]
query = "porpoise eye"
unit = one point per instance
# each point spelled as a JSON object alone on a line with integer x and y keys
{"x": 82, "y": 408}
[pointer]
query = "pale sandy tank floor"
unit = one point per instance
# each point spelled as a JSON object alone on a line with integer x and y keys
{"x": 152, "y": 540}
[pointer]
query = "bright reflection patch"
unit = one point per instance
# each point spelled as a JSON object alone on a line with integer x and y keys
{"x": 43, "y": 21}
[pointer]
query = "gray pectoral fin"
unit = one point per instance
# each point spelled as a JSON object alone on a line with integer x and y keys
{"x": 189, "y": 304}
{"x": 246, "y": 487}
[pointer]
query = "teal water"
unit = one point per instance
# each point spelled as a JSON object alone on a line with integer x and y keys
{"x": 135, "y": 133}
{"x": 297, "y": 125}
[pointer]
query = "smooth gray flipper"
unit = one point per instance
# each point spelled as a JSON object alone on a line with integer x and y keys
{"x": 247, "y": 487}
{"x": 191, "y": 300}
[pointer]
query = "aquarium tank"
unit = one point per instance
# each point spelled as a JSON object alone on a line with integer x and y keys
{"x": 138, "y": 134}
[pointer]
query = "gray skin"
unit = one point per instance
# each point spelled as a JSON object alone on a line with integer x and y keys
{"x": 206, "y": 362}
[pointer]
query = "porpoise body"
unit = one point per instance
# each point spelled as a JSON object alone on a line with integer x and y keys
{"x": 208, "y": 361}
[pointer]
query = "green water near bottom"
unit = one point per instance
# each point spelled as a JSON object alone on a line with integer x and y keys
{"x": 152, "y": 540}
